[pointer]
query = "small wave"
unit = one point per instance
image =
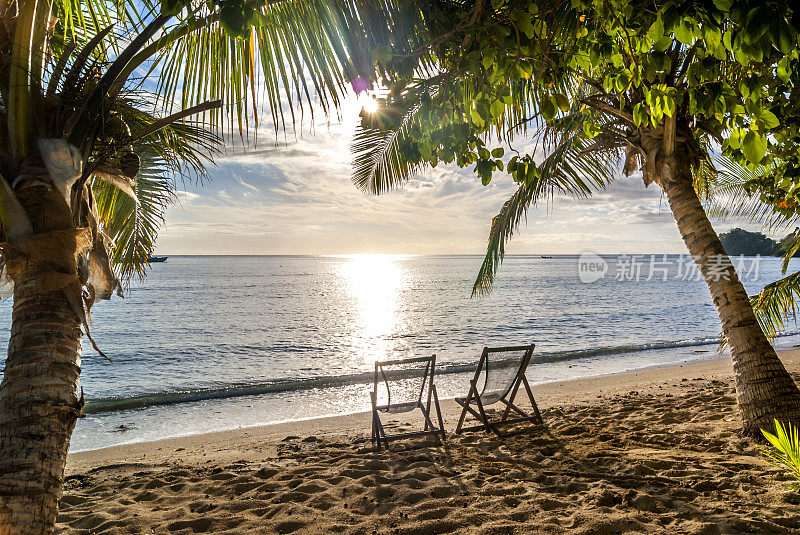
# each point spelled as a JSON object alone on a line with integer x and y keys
{"x": 277, "y": 386}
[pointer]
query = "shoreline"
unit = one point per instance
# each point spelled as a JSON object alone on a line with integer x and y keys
{"x": 209, "y": 414}
{"x": 547, "y": 395}
{"x": 104, "y": 405}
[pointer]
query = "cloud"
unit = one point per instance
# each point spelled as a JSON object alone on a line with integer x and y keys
{"x": 294, "y": 195}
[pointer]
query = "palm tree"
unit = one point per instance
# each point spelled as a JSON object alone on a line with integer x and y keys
{"x": 102, "y": 105}
{"x": 603, "y": 89}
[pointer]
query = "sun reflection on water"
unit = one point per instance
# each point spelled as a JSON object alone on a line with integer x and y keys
{"x": 374, "y": 281}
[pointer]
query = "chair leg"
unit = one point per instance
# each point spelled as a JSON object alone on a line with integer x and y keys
{"x": 467, "y": 401}
{"x": 533, "y": 401}
{"x": 428, "y": 406}
{"x": 485, "y": 419}
{"x": 427, "y": 416}
{"x": 377, "y": 428}
{"x": 438, "y": 412}
{"x": 512, "y": 407}
{"x": 378, "y": 434}
{"x": 376, "y": 424}
{"x": 513, "y": 395}
{"x": 374, "y": 417}
{"x": 385, "y": 437}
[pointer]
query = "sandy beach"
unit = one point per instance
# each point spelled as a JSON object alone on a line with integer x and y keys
{"x": 650, "y": 451}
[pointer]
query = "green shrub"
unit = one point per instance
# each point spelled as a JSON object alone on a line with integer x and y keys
{"x": 785, "y": 450}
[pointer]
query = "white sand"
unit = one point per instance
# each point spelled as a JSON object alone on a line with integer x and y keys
{"x": 650, "y": 451}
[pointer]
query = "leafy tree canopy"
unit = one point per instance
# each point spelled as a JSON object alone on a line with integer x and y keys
{"x": 742, "y": 242}
{"x": 602, "y": 82}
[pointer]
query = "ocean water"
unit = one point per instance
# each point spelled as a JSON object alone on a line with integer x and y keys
{"x": 209, "y": 342}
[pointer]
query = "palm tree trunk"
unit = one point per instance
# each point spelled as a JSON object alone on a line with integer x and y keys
{"x": 39, "y": 398}
{"x": 764, "y": 388}
{"x": 39, "y": 404}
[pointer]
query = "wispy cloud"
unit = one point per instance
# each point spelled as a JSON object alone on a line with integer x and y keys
{"x": 295, "y": 196}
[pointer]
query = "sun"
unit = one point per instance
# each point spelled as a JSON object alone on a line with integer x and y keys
{"x": 370, "y": 105}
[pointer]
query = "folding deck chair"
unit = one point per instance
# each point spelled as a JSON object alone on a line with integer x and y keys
{"x": 501, "y": 381}
{"x": 401, "y": 386}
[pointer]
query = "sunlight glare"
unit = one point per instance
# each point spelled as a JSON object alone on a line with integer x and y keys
{"x": 369, "y": 104}
{"x": 374, "y": 281}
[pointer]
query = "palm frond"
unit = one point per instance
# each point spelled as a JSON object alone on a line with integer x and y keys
{"x": 777, "y": 303}
{"x": 300, "y": 56}
{"x": 178, "y": 151}
{"x": 288, "y": 56}
{"x": 784, "y": 452}
{"x": 379, "y": 165}
{"x": 728, "y": 196}
{"x": 133, "y": 226}
{"x": 789, "y": 247}
{"x": 573, "y": 168}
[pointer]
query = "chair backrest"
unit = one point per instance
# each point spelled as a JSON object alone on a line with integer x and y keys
{"x": 399, "y": 385}
{"x": 499, "y": 372}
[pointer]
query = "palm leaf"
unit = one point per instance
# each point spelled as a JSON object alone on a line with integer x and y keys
{"x": 568, "y": 170}
{"x": 728, "y": 197}
{"x": 302, "y": 54}
{"x": 784, "y": 452}
{"x": 132, "y": 226}
{"x": 178, "y": 151}
{"x": 777, "y": 303}
{"x": 378, "y": 163}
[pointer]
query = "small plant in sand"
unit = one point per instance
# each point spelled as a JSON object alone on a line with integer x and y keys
{"x": 785, "y": 450}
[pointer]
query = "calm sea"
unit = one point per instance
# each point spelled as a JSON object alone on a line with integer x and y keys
{"x": 209, "y": 343}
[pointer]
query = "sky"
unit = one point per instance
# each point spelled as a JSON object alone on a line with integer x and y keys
{"x": 296, "y": 197}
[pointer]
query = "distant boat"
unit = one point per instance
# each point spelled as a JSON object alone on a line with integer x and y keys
{"x": 543, "y": 256}
{"x": 152, "y": 259}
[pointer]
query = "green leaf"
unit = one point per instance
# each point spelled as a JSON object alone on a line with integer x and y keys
{"x": 477, "y": 120}
{"x": 497, "y": 109}
{"x": 591, "y": 130}
{"x": 640, "y": 115}
{"x": 488, "y": 57}
{"x": 622, "y": 81}
{"x": 525, "y": 25}
{"x": 548, "y": 109}
{"x": 727, "y": 39}
{"x": 684, "y": 32}
{"x": 756, "y": 24}
{"x": 723, "y": 5}
{"x": 768, "y": 119}
{"x": 498, "y": 152}
{"x": 656, "y": 30}
{"x": 484, "y": 169}
{"x": 736, "y": 138}
{"x": 233, "y": 19}
{"x": 561, "y": 102}
{"x": 784, "y": 70}
{"x": 663, "y": 43}
{"x": 782, "y": 35}
{"x": 754, "y": 147}
{"x": 668, "y": 105}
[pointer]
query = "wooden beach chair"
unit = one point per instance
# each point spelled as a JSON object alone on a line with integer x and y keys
{"x": 403, "y": 386}
{"x": 501, "y": 379}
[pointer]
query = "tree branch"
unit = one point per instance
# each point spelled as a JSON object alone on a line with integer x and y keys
{"x": 609, "y": 109}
